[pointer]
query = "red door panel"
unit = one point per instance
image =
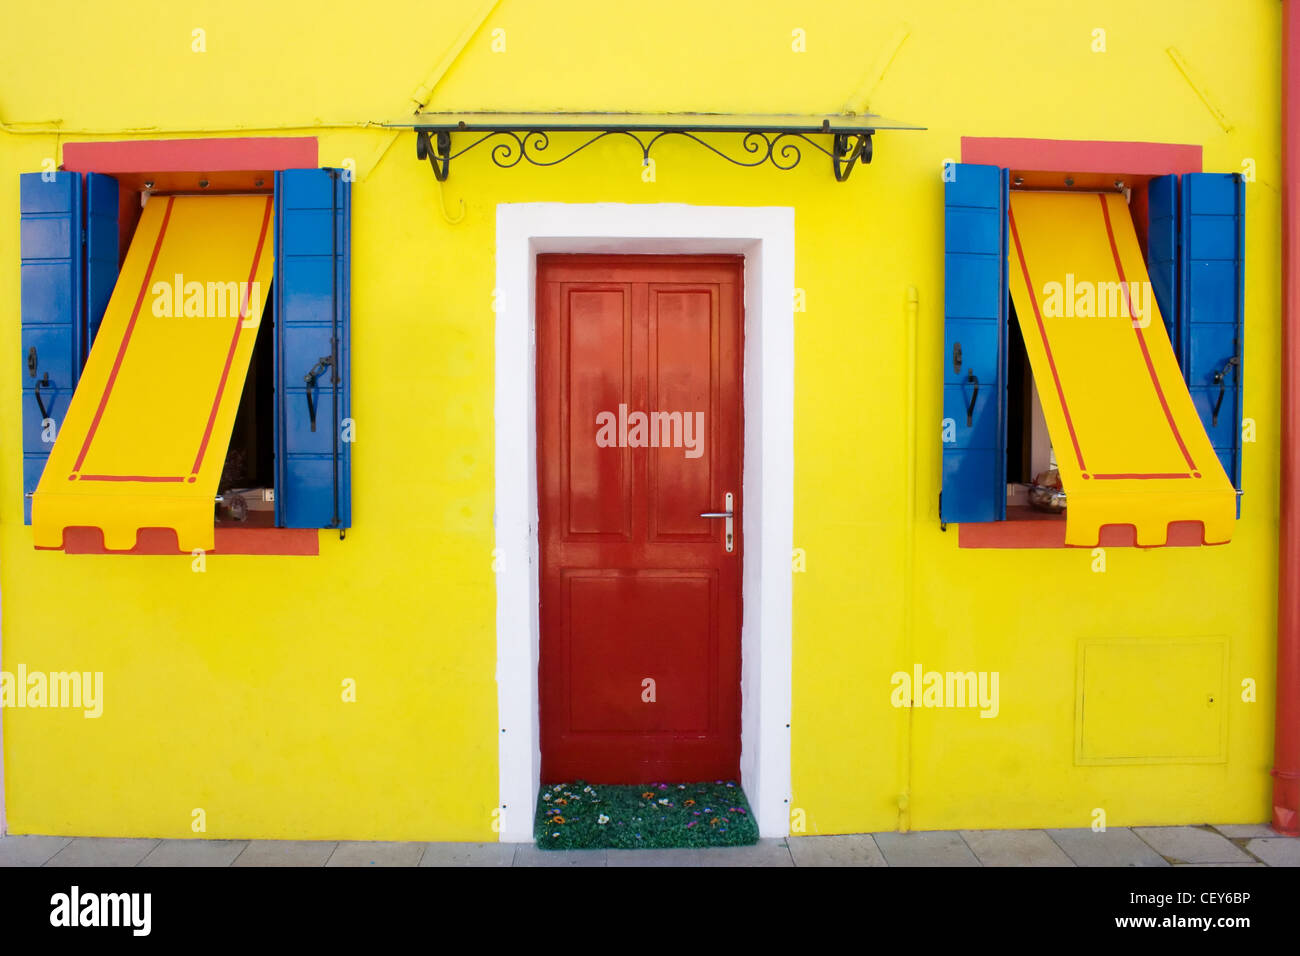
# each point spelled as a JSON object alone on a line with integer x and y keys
{"x": 683, "y": 359}
{"x": 639, "y": 431}
{"x": 656, "y": 616}
{"x": 597, "y": 334}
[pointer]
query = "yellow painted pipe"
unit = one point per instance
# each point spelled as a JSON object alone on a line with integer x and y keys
{"x": 911, "y": 310}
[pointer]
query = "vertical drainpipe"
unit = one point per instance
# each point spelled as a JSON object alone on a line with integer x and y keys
{"x": 910, "y": 519}
{"x": 1286, "y": 747}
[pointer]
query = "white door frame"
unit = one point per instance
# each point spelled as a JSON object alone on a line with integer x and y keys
{"x": 764, "y": 235}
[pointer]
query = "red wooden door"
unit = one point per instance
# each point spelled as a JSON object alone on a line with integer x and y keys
{"x": 639, "y": 676}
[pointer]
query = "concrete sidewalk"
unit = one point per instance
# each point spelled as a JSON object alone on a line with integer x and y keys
{"x": 1229, "y": 845}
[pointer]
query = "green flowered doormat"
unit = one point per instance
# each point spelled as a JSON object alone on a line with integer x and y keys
{"x": 582, "y": 816}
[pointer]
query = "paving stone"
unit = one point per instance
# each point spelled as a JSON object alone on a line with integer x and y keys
{"x": 1191, "y": 845}
{"x": 527, "y": 855}
{"x": 1015, "y": 848}
{"x": 928, "y": 848}
{"x": 367, "y": 853}
{"x": 30, "y": 850}
{"x": 1142, "y": 846}
{"x": 194, "y": 853}
{"x": 1251, "y": 863}
{"x": 1117, "y": 846}
{"x": 468, "y": 854}
{"x": 1278, "y": 851}
{"x": 1245, "y": 831}
{"x": 286, "y": 853}
{"x": 762, "y": 853}
{"x": 678, "y": 857}
{"x": 102, "y": 851}
{"x": 857, "y": 849}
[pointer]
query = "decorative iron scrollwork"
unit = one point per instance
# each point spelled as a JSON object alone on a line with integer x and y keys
{"x": 845, "y": 155}
{"x": 439, "y": 159}
{"x": 781, "y": 149}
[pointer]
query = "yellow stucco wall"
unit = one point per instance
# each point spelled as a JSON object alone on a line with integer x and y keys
{"x": 222, "y": 689}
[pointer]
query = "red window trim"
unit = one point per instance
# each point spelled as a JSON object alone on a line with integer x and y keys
{"x": 1090, "y": 163}
{"x": 227, "y": 163}
{"x": 214, "y": 155}
{"x": 1026, "y": 528}
{"x": 1082, "y": 156}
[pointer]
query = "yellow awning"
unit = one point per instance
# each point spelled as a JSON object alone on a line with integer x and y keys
{"x": 146, "y": 434}
{"x": 1129, "y": 444}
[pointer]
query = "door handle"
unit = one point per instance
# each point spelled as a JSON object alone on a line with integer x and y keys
{"x": 1220, "y": 379}
{"x": 33, "y": 362}
{"x": 970, "y": 407}
{"x": 729, "y": 515}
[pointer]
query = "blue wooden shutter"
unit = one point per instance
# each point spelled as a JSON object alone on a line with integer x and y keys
{"x": 974, "y": 350}
{"x": 101, "y": 250}
{"x": 1211, "y": 298}
{"x": 50, "y": 231}
{"x": 312, "y": 293}
{"x": 1162, "y": 249}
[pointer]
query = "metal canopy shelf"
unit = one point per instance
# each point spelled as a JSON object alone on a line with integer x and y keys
{"x": 764, "y": 138}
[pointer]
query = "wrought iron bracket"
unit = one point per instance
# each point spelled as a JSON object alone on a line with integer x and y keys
{"x": 844, "y": 157}
{"x": 781, "y": 147}
{"x": 437, "y": 152}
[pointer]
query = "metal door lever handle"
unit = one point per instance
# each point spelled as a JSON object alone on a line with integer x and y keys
{"x": 728, "y": 514}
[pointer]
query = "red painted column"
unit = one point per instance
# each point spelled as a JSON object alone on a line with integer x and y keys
{"x": 1286, "y": 747}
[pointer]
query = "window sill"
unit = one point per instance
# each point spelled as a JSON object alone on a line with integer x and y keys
{"x": 231, "y": 538}
{"x": 1027, "y": 528}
